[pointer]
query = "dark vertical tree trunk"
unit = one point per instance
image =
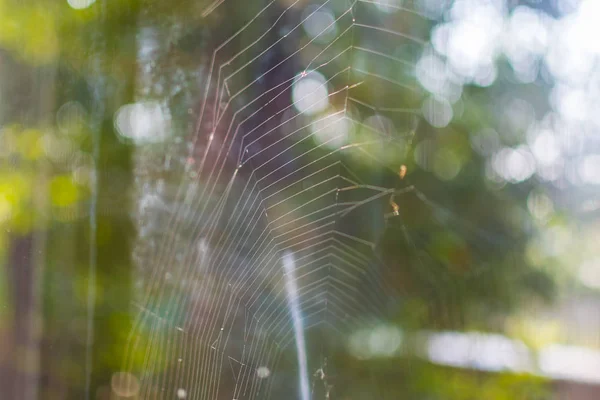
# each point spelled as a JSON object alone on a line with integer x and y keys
{"x": 14, "y": 376}
{"x": 32, "y": 104}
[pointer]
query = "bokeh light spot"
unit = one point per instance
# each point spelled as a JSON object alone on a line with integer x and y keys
{"x": 331, "y": 131}
{"x": 514, "y": 165}
{"x": 309, "y": 93}
{"x": 382, "y": 341}
{"x": 446, "y": 164}
{"x": 320, "y": 26}
{"x": 263, "y": 372}
{"x": 142, "y": 122}
{"x": 438, "y": 112}
{"x": 124, "y": 385}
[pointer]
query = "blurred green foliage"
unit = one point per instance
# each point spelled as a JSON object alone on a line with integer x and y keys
{"x": 469, "y": 283}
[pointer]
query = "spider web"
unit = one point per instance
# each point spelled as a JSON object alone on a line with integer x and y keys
{"x": 271, "y": 256}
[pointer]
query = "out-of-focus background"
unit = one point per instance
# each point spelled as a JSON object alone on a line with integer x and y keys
{"x": 339, "y": 199}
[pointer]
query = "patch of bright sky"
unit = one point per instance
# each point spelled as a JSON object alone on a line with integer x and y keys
{"x": 465, "y": 48}
{"x": 469, "y": 39}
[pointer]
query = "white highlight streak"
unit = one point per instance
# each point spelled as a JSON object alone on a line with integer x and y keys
{"x": 292, "y": 291}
